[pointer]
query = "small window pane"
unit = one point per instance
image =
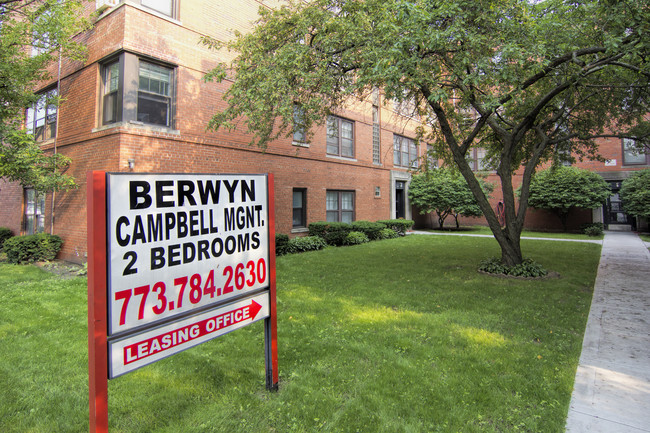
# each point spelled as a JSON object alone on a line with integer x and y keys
{"x": 297, "y": 199}
{"x": 154, "y": 79}
{"x": 162, "y": 6}
{"x": 632, "y": 155}
{"x": 153, "y": 110}
{"x": 332, "y": 216}
{"x": 347, "y": 201}
{"x": 332, "y": 201}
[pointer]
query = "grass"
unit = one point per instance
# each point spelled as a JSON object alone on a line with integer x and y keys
{"x": 483, "y": 230}
{"x": 400, "y": 335}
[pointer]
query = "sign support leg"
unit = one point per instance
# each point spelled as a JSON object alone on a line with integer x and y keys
{"x": 271, "y": 323}
{"x": 97, "y": 349}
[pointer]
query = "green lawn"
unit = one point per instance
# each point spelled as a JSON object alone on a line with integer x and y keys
{"x": 393, "y": 336}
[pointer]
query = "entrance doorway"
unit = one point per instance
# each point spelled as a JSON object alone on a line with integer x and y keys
{"x": 400, "y": 199}
{"x": 615, "y": 218}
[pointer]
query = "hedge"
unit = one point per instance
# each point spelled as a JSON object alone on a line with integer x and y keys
{"x": 401, "y": 226}
{"x": 334, "y": 233}
{"x": 356, "y": 238}
{"x": 305, "y": 243}
{"x": 5, "y": 233}
{"x": 281, "y": 244}
{"x": 372, "y": 230}
{"x": 32, "y": 248}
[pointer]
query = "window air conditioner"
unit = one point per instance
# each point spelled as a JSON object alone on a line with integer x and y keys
{"x": 102, "y": 5}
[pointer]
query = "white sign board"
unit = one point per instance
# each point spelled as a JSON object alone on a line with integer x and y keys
{"x": 150, "y": 346}
{"x": 180, "y": 244}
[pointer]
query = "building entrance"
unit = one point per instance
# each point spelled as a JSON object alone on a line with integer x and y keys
{"x": 615, "y": 218}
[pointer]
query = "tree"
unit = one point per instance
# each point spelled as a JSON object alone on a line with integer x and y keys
{"x": 560, "y": 189}
{"x": 635, "y": 194}
{"x": 529, "y": 81}
{"x": 33, "y": 34}
{"x": 446, "y": 193}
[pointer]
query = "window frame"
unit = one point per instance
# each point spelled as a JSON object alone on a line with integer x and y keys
{"x": 329, "y": 138}
{"x": 339, "y": 203}
{"x": 128, "y": 95}
{"x": 626, "y": 151}
{"x": 299, "y": 132}
{"x": 116, "y": 94}
{"x": 173, "y": 8}
{"x": 302, "y": 209}
{"x": 49, "y": 117}
{"x": 34, "y": 212}
{"x": 404, "y": 146}
{"x": 152, "y": 96}
{"x": 477, "y": 163}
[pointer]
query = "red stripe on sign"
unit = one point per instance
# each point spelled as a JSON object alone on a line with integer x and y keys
{"x": 168, "y": 340}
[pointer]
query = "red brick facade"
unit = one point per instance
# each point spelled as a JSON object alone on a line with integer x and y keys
{"x": 187, "y": 146}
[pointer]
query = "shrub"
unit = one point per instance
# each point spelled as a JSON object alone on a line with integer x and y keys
{"x": 281, "y": 244}
{"x": 5, "y": 233}
{"x": 387, "y": 234}
{"x": 356, "y": 238}
{"x": 593, "y": 230}
{"x": 32, "y": 248}
{"x": 400, "y": 226}
{"x": 527, "y": 268}
{"x": 334, "y": 233}
{"x": 305, "y": 243}
{"x": 371, "y": 229}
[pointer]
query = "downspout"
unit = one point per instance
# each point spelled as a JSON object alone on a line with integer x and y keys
{"x": 56, "y": 137}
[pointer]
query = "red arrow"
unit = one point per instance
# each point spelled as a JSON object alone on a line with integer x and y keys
{"x": 254, "y": 309}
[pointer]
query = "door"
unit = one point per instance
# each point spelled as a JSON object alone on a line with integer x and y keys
{"x": 400, "y": 199}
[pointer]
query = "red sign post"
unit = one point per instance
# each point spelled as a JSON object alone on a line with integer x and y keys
{"x": 175, "y": 260}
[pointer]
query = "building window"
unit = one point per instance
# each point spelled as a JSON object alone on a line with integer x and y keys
{"x": 34, "y": 212}
{"x": 154, "y": 94}
{"x": 376, "y": 136}
{"x": 377, "y": 192}
{"x": 165, "y": 7}
{"x": 432, "y": 157}
{"x": 632, "y": 154}
{"x": 340, "y": 137}
{"x": 112, "y": 108}
{"x": 340, "y": 206}
{"x": 149, "y": 100}
{"x": 299, "y": 207}
{"x": 405, "y": 152}
{"x": 41, "y": 116}
{"x": 477, "y": 160}
{"x": 299, "y": 136}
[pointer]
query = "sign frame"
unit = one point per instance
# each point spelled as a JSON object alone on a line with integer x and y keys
{"x": 98, "y": 286}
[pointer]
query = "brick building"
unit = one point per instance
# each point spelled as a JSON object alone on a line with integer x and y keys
{"x": 138, "y": 104}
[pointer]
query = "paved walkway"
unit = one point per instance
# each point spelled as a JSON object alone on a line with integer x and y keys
{"x": 612, "y": 385}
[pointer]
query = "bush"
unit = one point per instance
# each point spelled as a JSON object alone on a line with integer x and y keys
{"x": 5, "y": 233}
{"x": 387, "y": 234}
{"x": 32, "y": 248}
{"x": 356, "y": 238}
{"x": 305, "y": 243}
{"x": 334, "y": 233}
{"x": 593, "y": 230}
{"x": 528, "y": 268}
{"x": 400, "y": 226}
{"x": 281, "y": 244}
{"x": 371, "y": 229}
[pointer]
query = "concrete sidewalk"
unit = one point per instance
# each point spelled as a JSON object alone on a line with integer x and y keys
{"x": 612, "y": 385}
